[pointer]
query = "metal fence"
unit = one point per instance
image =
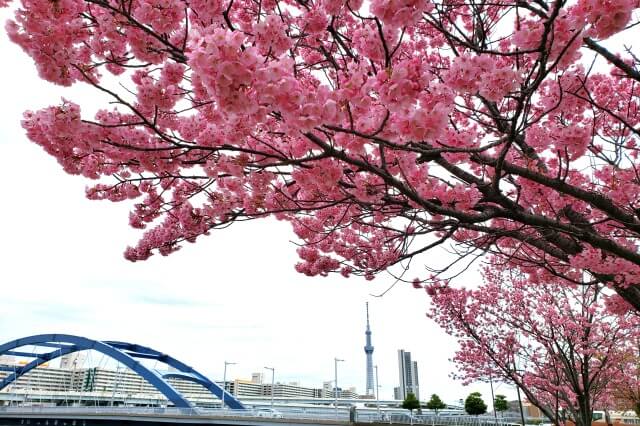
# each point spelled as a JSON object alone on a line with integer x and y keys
{"x": 262, "y": 413}
{"x": 291, "y": 413}
{"x": 435, "y": 420}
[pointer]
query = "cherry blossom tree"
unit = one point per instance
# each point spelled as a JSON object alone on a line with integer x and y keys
{"x": 558, "y": 342}
{"x": 380, "y": 130}
{"x": 626, "y": 391}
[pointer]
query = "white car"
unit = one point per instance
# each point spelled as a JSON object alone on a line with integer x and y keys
{"x": 269, "y": 412}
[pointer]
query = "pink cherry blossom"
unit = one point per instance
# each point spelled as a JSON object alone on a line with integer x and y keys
{"x": 561, "y": 348}
{"x": 379, "y": 131}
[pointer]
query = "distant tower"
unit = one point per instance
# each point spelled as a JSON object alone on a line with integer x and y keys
{"x": 368, "y": 349}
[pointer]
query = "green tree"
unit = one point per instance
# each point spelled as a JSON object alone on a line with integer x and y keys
{"x": 500, "y": 403}
{"x": 411, "y": 402}
{"x": 474, "y": 405}
{"x": 435, "y": 403}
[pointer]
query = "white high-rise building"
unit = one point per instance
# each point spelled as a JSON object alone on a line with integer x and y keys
{"x": 408, "y": 375}
{"x": 73, "y": 361}
{"x": 7, "y": 360}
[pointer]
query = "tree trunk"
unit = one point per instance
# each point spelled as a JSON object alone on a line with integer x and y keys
{"x": 585, "y": 412}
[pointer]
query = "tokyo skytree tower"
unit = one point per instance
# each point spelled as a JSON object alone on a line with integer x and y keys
{"x": 368, "y": 349}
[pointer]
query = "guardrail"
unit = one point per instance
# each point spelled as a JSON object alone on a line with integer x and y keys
{"x": 435, "y": 420}
{"x": 328, "y": 413}
{"x": 342, "y": 414}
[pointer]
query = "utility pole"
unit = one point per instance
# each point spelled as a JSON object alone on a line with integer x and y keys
{"x": 521, "y": 407}
{"x": 335, "y": 376}
{"x": 273, "y": 374}
{"x": 377, "y": 393}
{"x": 224, "y": 381}
{"x": 493, "y": 398}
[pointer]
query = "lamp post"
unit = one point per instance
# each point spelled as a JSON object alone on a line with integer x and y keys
{"x": 224, "y": 381}
{"x": 520, "y": 404}
{"x": 493, "y": 398}
{"x": 273, "y": 373}
{"x": 335, "y": 376}
{"x": 377, "y": 392}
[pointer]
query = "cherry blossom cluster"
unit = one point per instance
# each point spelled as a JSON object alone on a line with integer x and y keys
{"x": 560, "y": 343}
{"x": 378, "y": 130}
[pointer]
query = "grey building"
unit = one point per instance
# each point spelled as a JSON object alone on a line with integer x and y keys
{"x": 408, "y": 376}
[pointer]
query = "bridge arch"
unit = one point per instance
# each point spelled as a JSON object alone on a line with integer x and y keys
{"x": 126, "y": 353}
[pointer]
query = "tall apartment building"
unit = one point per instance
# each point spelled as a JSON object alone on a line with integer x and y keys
{"x": 408, "y": 375}
{"x": 102, "y": 381}
{"x": 7, "y": 360}
{"x": 256, "y": 387}
{"x": 281, "y": 390}
{"x": 73, "y": 361}
{"x": 241, "y": 387}
{"x": 41, "y": 379}
{"x": 328, "y": 391}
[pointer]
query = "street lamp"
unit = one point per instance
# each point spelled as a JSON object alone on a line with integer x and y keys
{"x": 273, "y": 373}
{"x": 377, "y": 392}
{"x": 335, "y": 376}
{"x": 493, "y": 398}
{"x": 224, "y": 381}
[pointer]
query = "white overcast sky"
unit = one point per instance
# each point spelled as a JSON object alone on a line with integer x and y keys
{"x": 232, "y": 296}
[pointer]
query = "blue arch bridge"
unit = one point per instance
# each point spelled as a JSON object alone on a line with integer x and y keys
{"x": 298, "y": 412}
{"x": 48, "y": 347}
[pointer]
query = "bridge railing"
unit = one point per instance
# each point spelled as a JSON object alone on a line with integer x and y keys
{"x": 170, "y": 411}
{"x": 264, "y": 413}
{"x": 342, "y": 415}
{"x": 434, "y": 420}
